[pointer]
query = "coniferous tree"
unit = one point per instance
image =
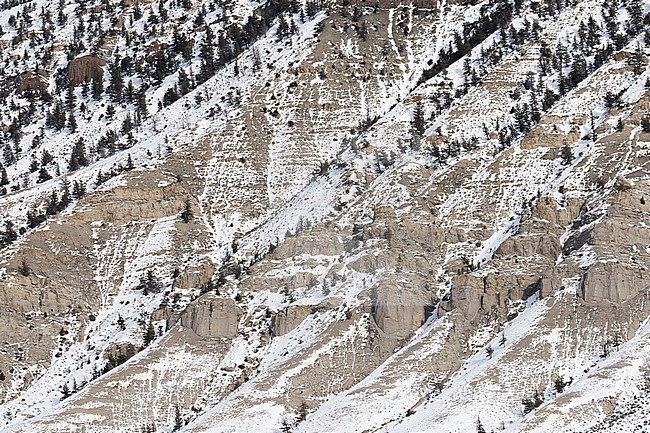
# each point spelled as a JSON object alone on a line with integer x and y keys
{"x": 43, "y": 175}
{"x": 149, "y": 284}
{"x": 78, "y": 189}
{"x": 8, "y": 154}
{"x": 4, "y": 180}
{"x": 578, "y": 70}
{"x": 611, "y": 99}
{"x": 66, "y": 196}
{"x": 418, "y": 120}
{"x": 65, "y": 391}
{"x": 9, "y": 235}
{"x": 283, "y": 27}
{"x": 70, "y": 99}
{"x": 479, "y": 426}
{"x": 97, "y": 88}
{"x": 184, "y": 85}
{"x": 116, "y": 84}
{"x": 178, "y": 419}
{"x": 187, "y": 215}
{"x": 120, "y": 322}
{"x": 34, "y": 219}
{"x": 52, "y": 205}
{"x": 635, "y": 12}
{"x": 206, "y": 53}
{"x": 129, "y": 163}
{"x": 143, "y": 112}
{"x": 636, "y": 60}
{"x": 149, "y": 334}
{"x": 72, "y": 122}
{"x": 78, "y": 156}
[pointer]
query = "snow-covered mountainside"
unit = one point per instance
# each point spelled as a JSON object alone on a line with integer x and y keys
{"x": 324, "y": 216}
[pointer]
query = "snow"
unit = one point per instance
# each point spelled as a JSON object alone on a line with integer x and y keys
{"x": 297, "y": 195}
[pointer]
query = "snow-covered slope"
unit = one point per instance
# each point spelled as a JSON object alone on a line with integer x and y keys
{"x": 324, "y": 216}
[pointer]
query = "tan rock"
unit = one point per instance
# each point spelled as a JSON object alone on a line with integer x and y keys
{"x": 614, "y": 282}
{"x": 195, "y": 277}
{"x": 288, "y": 319}
{"x": 213, "y": 317}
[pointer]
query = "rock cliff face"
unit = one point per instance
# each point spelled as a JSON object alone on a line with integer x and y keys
{"x": 85, "y": 69}
{"x": 396, "y": 216}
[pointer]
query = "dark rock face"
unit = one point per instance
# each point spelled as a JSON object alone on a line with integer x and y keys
{"x": 32, "y": 85}
{"x": 84, "y": 69}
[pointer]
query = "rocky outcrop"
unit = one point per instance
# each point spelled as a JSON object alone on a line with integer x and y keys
{"x": 614, "y": 282}
{"x": 288, "y": 319}
{"x": 399, "y": 310}
{"x": 212, "y": 317}
{"x": 326, "y": 243}
{"x": 85, "y": 69}
{"x": 196, "y": 276}
{"x": 32, "y": 85}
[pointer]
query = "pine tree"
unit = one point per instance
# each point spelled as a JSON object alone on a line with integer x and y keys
{"x": 78, "y": 157}
{"x": 116, "y": 84}
{"x": 97, "y": 88}
{"x": 149, "y": 284}
{"x": 8, "y": 154}
{"x": 578, "y": 70}
{"x": 285, "y": 427}
{"x": 70, "y": 98}
{"x": 52, "y": 205}
{"x": 149, "y": 334}
{"x": 66, "y": 197}
{"x": 120, "y": 322}
{"x": 72, "y": 122}
{"x": 206, "y": 53}
{"x": 142, "y": 102}
{"x": 635, "y": 11}
{"x": 303, "y": 411}
{"x": 184, "y": 85}
{"x": 559, "y": 384}
{"x": 43, "y": 175}
{"x": 566, "y": 154}
{"x": 479, "y": 426}
{"x": 78, "y": 189}
{"x": 34, "y": 220}
{"x": 636, "y": 60}
{"x": 4, "y": 180}
{"x": 418, "y": 120}
{"x": 611, "y": 100}
{"x": 9, "y": 235}
{"x": 178, "y": 419}
{"x": 65, "y": 391}
{"x": 283, "y": 27}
